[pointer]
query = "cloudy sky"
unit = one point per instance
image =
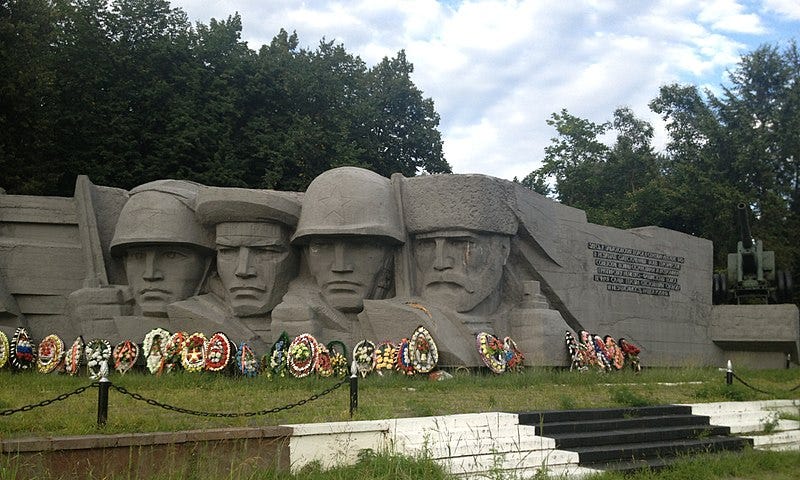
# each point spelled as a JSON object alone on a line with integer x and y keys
{"x": 497, "y": 69}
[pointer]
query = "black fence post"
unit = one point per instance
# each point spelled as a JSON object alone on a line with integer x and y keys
{"x": 353, "y": 388}
{"x": 102, "y": 399}
{"x": 729, "y": 374}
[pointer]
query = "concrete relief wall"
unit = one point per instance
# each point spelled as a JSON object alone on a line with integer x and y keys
{"x": 357, "y": 256}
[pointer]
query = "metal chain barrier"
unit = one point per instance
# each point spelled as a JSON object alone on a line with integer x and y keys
{"x": 750, "y": 386}
{"x": 45, "y": 403}
{"x": 187, "y": 411}
{"x": 758, "y": 389}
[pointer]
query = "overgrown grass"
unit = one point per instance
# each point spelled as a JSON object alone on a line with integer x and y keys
{"x": 746, "y": 465}
{"x": 379, "y": 397}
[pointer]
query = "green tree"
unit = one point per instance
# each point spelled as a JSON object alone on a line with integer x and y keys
{"x": 128, "y": 91}
{"x": 613, "y": 184}
{"x": 26, "y": 94}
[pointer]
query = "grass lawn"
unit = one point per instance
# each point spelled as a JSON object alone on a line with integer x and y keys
{"x": 387, "y": 397}
{"x": 379, "y": 397}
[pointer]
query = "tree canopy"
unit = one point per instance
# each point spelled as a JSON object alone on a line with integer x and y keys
{"x": 128, "y": 91}
{"x": 738, "y": 146}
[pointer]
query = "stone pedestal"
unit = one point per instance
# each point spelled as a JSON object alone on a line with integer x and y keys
{"x": 538, "y": 330}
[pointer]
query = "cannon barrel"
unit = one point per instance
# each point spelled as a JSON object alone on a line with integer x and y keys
{"x": 742, "y": 214}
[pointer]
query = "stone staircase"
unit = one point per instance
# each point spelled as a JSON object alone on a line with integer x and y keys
{"x": 631, "y": 438}
{"x": 482, "y": 445}
{"x": 758, "y": 420}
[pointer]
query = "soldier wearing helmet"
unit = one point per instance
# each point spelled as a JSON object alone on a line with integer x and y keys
{"x": 167, "y": 253}
{"x": 254, "y": 262}
{"x": 348, "y": 229}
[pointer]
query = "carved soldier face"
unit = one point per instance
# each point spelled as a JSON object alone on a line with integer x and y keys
{"x": 347, "y": 269}
{"x": 255, "y": 264}
{"x": 160, "y": 274}
{"x": 459, "y": 268}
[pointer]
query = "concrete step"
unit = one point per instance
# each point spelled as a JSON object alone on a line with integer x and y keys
{"x": 713, "y": 408}
{"x": 478, "y": 446}
{"x": 636, "y": 435}
{"x": 550, "y": 429}
{"x": 460, "y": 422}
{"x": 637, "y": 451}
{"x": 561, "y": 416}
{"x": 753, "y": 422}
{"x": 567, "y": 471}
{"x": 492, "y": 462}
{"x": 789, "y": 440}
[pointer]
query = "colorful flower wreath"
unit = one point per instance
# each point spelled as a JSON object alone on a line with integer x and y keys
{"x": 23, "y": 355}
{"x": 72, "y": 358}
{"x": 423, "y": 351}
{"x": 277, "y": 356}
{"x": 173, "y": 354}
{"x": 155, "y": 348}
{"x": 600, "y": 350}
{"x": 588, "y": 354}
{"x": 323, "y": 365}
{"x": 50, "y": 354}
{"x": 576, "y": 362}
{"x": 246, "y": 362}
{"x": 385, "y": 357}
{"x": 4, "y": 348}
{"x": 631, "y": 353}
{"x": 302, "y": 356}
{"x": 403, "y": 359}
{"x": 339, "y": 364}
{"x": 614, "y": 353}
{"x": 193, "y": 355}
{"x": 218, "y": 353}
{"x": 125, "y": 355}
{"x": 490, "y": 349}
{"x": 98, "y": 354}
{"x": 364, "y": 356}
{"x": 514, "y": 357}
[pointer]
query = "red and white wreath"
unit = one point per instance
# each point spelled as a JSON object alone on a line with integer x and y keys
{"x": 218, "y": 352}
{"x": 125, "y": 355}
{"x": 50, "y": 355}
{"x": 72, "y": 359}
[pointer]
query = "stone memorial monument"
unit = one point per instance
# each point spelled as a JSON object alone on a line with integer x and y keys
{"x": 360, "y": 256}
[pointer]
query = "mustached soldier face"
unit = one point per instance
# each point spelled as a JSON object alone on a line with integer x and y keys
{"x": 459, "y": 268}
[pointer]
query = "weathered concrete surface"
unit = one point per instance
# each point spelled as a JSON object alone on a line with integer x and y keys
{"x": 758, "y": 336}
{"x": 375, "y": 255}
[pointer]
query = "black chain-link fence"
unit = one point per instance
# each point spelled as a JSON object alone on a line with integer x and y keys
{"x": 733, "y": 374}
{"x": 173, "y": 408}
{"x": 45, "y": 403}
{"x": 187, "y": 411}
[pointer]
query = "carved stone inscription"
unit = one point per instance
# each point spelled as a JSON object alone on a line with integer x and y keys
{"x": 636, "y": 271}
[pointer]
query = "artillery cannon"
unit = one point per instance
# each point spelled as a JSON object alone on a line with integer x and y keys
{"x": 751, "y": 277}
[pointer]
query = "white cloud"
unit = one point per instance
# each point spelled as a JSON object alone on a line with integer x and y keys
{"x": 729, "y": 16}
{"x": 789, "y": 8}
{"x": 497, "y": 69}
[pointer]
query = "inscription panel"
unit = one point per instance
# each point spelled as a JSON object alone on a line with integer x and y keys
{"x": 633, "y": 270}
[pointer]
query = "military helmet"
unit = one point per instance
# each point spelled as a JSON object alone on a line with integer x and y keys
{"x": 349, "y": 201}
{"x": 161, "y": 212}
